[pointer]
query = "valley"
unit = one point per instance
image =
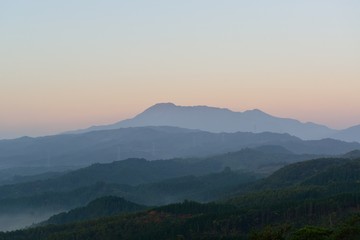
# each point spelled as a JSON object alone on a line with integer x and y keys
{"x": 175, "y": 177}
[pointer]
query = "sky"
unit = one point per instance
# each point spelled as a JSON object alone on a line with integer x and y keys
{"x": 72, "y": 64}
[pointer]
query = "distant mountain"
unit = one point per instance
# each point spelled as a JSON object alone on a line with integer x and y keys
{"x": 78, "y": 150}
{"x": 28, "y": 173}
{"x": 351, "y": 134}
{"x": 353, "y": 154}
{"x": 218, "y": 120}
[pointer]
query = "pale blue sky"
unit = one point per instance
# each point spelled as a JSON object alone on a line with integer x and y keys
{"x": 69, "y": 64}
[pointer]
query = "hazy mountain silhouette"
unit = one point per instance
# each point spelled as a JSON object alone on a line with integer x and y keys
{"x": 219, "y": 120}
{"x": 150, "y": 143}
{"x": 351, "y": 134}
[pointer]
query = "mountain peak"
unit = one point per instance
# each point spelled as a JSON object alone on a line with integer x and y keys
{"x": 161, "y": 106}
{"x": 256, "y": 110}
{"x": 171, "y": 106}
{"x": 215, "y": 119}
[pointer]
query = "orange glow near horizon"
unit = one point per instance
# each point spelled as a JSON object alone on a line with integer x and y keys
{"x": 107, "y": 62}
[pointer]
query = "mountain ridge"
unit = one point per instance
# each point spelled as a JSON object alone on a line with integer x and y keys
{"x": 73, "y": 150}
{"x": 217, "y": 120}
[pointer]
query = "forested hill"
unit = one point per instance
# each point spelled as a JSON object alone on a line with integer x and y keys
{"x": 152, "y": 182}
{"x": 140, "y": 171}
{"x": 302, "y": 173}
{"x": 311, "y": 192}
{"x": 323, "y": 198}
{"x": 139, "y": 180}
{"x": 101, "y": 207}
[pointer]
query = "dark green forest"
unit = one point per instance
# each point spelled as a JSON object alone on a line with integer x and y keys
{"x": 101, "y": 207}
{"x": 316, "y": 199}
{"x": 146, "y": 182}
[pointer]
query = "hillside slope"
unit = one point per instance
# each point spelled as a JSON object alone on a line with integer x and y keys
{"x": 104, "y": 206}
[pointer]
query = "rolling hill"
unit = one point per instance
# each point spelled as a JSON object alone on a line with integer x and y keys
{"x": 312, "y": 196}
{"x": 101, "y": 207}
{"x": 351, "y": 134}
{"x": 70, "y": 151}
{"x": 140, "y": 171}
{"x": 147, "y": 182}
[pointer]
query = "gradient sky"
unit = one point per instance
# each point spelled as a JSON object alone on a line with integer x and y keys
{"x": 71, "y": 64}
